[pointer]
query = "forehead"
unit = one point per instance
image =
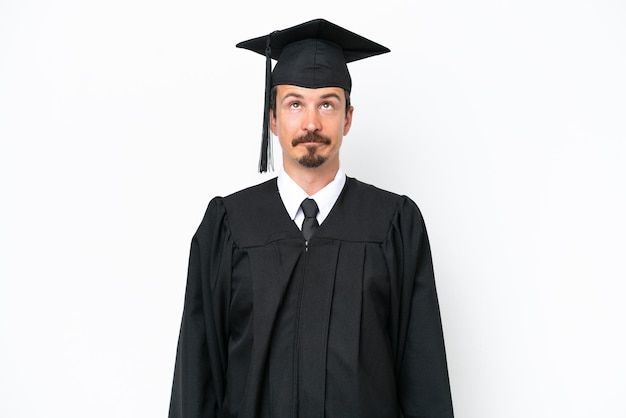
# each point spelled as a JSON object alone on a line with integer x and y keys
{"x": 286, "y": 90}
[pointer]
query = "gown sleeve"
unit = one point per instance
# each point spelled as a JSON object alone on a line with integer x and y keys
{"x": 198, "y": 385}
{"x": 416, "y": 331}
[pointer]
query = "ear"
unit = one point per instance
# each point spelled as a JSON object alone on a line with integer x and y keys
{"x": 348, "y": 123}
{"x": 273, "y": 122}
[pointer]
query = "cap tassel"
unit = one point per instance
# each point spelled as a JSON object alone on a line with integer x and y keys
{"x": 266, "y": 145}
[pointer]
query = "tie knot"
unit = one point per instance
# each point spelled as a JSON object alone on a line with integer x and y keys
{"x": 309, "y": 207}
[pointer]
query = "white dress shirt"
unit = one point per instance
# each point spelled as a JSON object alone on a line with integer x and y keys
{"x": 292, "y": 196}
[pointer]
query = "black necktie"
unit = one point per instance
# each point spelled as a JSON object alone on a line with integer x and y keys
{"x": 309, "y": 207}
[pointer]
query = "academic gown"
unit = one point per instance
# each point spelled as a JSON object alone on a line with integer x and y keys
{"x": 346, "y": 326}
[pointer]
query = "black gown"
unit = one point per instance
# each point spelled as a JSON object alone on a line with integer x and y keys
{"x": 348, "y": 327}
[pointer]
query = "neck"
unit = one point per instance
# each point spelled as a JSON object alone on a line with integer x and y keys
{"x": 312, "y": 180}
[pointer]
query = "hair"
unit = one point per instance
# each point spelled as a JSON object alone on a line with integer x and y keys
{"x": 273, "y": 100}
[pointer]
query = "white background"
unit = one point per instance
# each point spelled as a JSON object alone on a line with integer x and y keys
{"x": 504, "y": 120}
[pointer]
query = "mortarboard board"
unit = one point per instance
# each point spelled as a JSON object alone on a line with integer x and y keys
{"x": 313, "y": 54}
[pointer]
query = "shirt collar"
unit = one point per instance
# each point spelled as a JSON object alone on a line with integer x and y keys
{"x": 292, "y": 195}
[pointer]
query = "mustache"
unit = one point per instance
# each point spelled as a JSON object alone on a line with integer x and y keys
{"x": 311, "y": 137}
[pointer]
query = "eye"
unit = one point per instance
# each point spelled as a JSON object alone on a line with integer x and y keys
{"x": 327, "y": 106}
{"x": 294, "y": 105}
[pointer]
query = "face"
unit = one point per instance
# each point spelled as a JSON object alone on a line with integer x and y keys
{"x": 310, "y": 125}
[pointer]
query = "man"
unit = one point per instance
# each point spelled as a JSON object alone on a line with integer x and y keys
{"x": 312, "y": 294}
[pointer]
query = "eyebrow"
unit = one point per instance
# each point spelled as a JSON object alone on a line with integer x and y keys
{"x": 300, "y": 96}
{"x": 289, "y": 95}
{"x": 331, "y": 95}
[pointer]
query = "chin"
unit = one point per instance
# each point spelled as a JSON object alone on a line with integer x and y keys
{"x": 312, "y": 161}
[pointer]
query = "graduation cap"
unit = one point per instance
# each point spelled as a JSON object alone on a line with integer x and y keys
{"x": 313, "y": 54}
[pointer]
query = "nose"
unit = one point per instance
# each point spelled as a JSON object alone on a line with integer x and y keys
{"x": 312, "y": 122}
